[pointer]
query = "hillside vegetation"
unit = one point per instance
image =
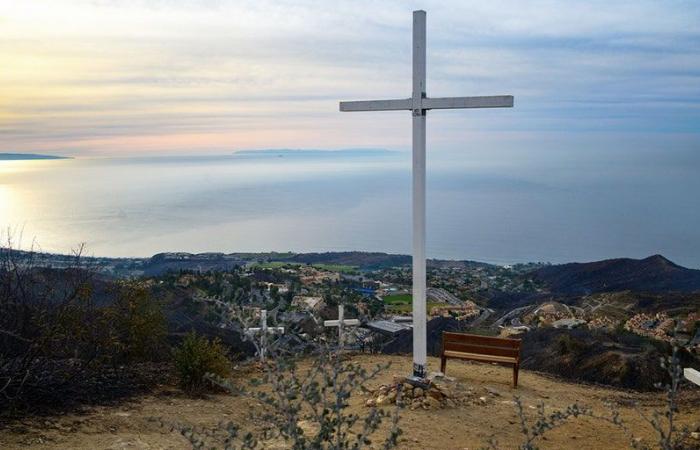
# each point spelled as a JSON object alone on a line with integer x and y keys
{"x": 653, "y": 274}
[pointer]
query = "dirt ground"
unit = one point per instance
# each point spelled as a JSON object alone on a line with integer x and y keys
{"x": 132, "y": 426}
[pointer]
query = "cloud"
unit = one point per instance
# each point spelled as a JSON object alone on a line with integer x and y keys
{"x": 95, "y": 77}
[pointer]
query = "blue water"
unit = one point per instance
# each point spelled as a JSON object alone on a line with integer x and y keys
{"x": 561, "y": 211}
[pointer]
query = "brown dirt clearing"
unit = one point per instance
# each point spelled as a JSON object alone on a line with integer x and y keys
{"x": 131, "y": 425}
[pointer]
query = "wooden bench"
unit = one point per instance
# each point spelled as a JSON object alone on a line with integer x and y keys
{"x": 481, "y": 348}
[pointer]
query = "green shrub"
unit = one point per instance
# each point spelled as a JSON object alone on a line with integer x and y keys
{"x": 138, "y": 323}
{"x": 196, "y": 357}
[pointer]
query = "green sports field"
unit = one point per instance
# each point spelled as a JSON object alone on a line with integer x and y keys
{"x": 401, "y": 303}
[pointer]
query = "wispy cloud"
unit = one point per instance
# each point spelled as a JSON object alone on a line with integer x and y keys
{"x": 105, "y": 77}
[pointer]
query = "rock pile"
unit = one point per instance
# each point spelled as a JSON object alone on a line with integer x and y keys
{"x": 435, "y": 393}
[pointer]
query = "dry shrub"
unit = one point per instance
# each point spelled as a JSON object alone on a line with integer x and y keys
{"x": 138, "y": 323}
{"x": 63, "y": 328}
{"x": 198, "y": 357}
{"x": 307, "y": 408}
{"x": 47, "y": 323}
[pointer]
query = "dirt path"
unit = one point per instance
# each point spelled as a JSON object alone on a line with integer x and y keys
{"x": 132, "y": 425}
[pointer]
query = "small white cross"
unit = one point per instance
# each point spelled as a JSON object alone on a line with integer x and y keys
{"x": 692, "y": 375}
{"x": 263, "y": 331}
{"x": 340, "y": 323}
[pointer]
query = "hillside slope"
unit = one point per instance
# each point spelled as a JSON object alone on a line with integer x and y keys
{"x": 652, "y": 274}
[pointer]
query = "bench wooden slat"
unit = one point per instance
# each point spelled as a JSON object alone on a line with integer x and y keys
{"x": 478, "y": 339}
{"x": 480, "y": 357}
{"x": 481, "y": 349}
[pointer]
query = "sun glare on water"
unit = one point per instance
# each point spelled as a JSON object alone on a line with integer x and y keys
{"x": 6, "y": 202}
{"x": 16, "y": 202}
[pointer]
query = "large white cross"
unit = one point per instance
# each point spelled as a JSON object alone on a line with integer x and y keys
{"x": 419, "y": 104}
{"x": 340, "y": 323}
{"x": 263, "y": 331}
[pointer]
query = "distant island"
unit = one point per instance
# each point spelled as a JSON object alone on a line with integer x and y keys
{"x": 24, "y": 156}
{"x": 307, "y": 153}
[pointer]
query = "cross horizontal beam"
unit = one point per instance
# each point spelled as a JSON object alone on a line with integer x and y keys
{"x": 346, "y": 322}
{"x": 377, "y": 105}
{"x": 491, "y": 101}
{"x": 271, "y": 330}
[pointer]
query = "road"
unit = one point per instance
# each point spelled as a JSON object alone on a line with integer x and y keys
{"x": 442, "y": 296}
{"x": 511, "y": 314}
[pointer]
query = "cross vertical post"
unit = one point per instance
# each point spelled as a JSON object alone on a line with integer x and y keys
{"x": 341, "y": 314}
{"x": 419, "y": 103}
{"x": 419, "y": 275}
{"x": 263, "y": 330}
{"x": 263, "y": 334}
{"x": 341, "y": 323}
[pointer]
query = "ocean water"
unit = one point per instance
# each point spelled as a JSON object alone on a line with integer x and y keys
{"x": 503, "y": 213}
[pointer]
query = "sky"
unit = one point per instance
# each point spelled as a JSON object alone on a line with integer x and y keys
{"x": 121, "y": 78}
